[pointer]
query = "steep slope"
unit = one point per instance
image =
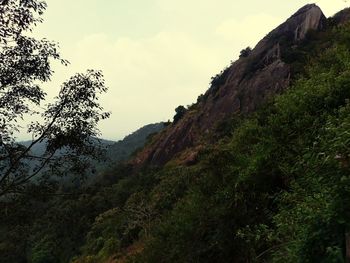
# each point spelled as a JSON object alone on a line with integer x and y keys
{"x": 241, "y": 88}
{"x": 274, "y": 189}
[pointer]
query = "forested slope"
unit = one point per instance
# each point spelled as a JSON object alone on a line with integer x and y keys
{"x": 273, "y": 187}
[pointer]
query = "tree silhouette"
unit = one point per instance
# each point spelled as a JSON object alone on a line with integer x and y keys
{"x": 68, "y": 124}
{"x": 245, "y": 52}
{"x": 179, "y": 113}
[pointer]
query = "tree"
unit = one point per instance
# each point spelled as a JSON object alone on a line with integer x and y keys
{"x": 180, "y": 112}
{"x": 245, "y": 52}
{"x": 68, "y": 124}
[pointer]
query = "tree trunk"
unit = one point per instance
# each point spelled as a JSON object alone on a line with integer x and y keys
{"x": 347, "y": 247}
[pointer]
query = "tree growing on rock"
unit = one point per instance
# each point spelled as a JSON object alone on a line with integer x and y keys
{"x": 179, "y": 113}
{"x": 245, "y": 52}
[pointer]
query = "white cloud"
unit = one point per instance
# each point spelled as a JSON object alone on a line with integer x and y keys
{"x": 147, "y": 77}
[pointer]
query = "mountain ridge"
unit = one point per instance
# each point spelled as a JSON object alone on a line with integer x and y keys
{"x": 270, "y": 184}
{"x": 240, "y": 89}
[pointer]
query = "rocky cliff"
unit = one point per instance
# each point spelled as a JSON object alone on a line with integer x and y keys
{"x": 241, "y": 88}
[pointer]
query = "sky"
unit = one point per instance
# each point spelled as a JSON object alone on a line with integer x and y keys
{"x": 157, "y": 54}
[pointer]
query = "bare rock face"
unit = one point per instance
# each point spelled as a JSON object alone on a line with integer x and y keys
{"x": 306, "y": 18}
{"x": 243, "y": 87}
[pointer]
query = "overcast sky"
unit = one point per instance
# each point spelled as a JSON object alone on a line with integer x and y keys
{"x": 157, "y": 54}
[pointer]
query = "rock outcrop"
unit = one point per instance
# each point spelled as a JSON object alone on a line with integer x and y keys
{"x": 306, "y": 18}
{"x": 242, "y": 88}
{"x": 342, "y": 16}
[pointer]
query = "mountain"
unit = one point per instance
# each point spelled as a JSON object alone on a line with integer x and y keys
{"x": 256, "y": 171}
{"x": 39, "y": 148}
{"x": 116, "y": 151}
{"x": 239, "y": 89}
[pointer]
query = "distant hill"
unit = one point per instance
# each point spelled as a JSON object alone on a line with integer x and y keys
{"x": 122, "y": 150}
{"x": 115, "y": 151}
{"x": 39, "y": 148}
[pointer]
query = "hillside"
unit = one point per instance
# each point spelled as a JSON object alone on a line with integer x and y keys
{"x": 273, "y": 183}
{"x": 256, "y": 171}
{"x": 239, "y": 89}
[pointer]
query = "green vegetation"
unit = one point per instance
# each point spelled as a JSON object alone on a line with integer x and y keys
{"x": 274, "y": 188}
{"x": 67, "y": 124}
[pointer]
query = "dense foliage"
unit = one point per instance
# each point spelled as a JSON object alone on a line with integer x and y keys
{"x": 274, "y": 188}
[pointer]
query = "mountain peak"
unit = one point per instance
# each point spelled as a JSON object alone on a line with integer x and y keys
{"x": 239, "y": 89}
{"x": 309, "y": 17}
{"x": 306, "y": 8}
